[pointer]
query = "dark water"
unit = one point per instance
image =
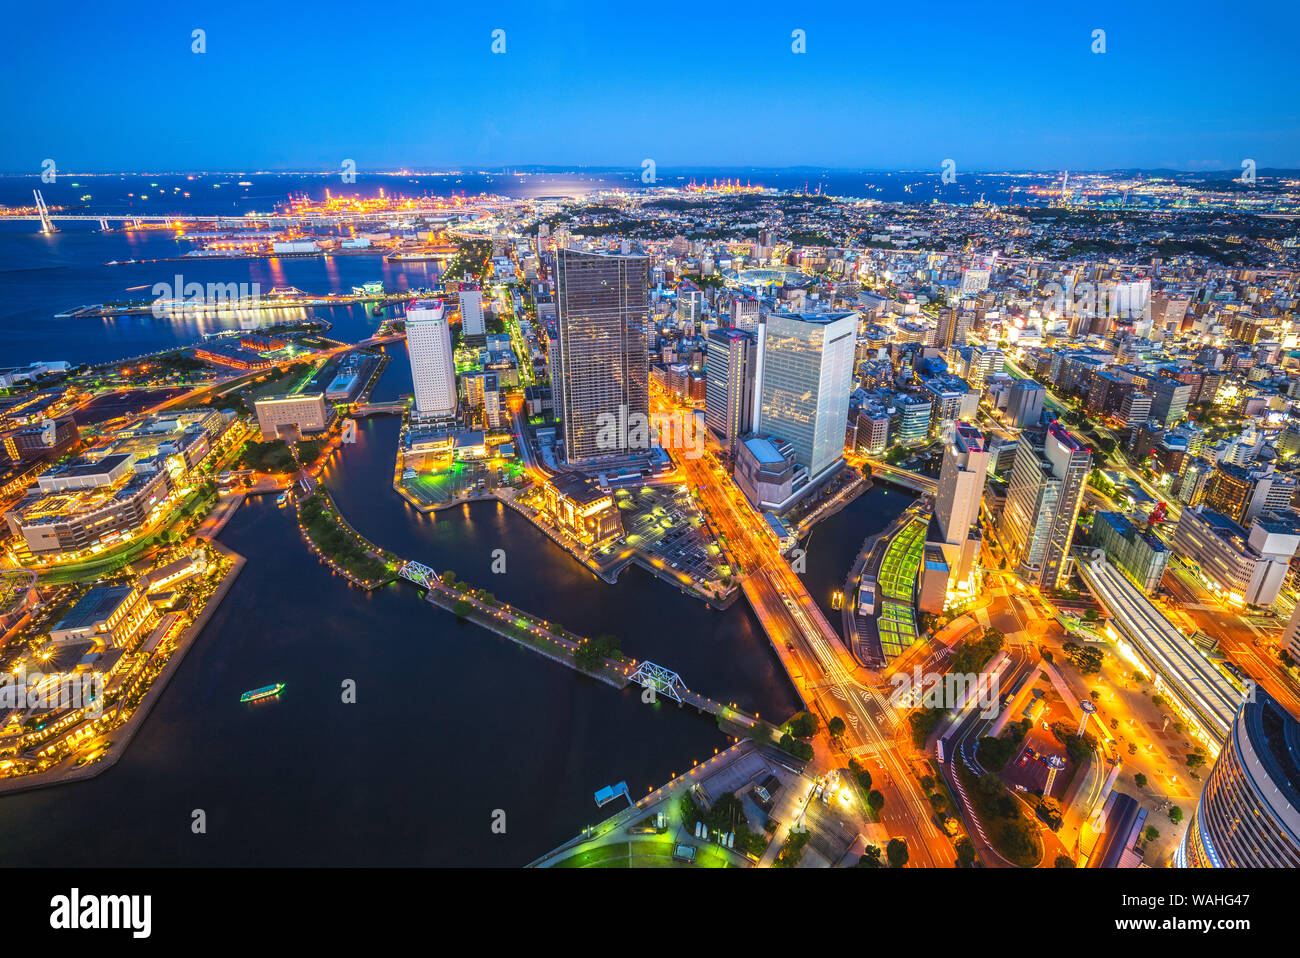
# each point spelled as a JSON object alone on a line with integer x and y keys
{"x": 42, "y": 275}
{"x": 450, "y": 724}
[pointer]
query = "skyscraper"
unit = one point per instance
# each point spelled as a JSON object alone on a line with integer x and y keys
{"x": 603, "y": 314}
{"x": 471, "y": 313}
{"x": 729, "y": 385}
{"x": 428, "y": 343}
{"x": 1249, "y": 814}
{"x": 961, "y": 489}
{"x": 802, "y": 384}
{"x": 1043, "y": 498}
{"x": 1025, "y": 403}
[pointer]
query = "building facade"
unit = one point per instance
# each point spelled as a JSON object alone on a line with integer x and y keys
{"x": 602, "y": 310}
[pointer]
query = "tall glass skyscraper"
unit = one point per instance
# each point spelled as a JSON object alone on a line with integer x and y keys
{"x": 1043, "y": 499}
{"x": 803, "y": 379}
{"x": 604, "y": 317}
{"x": 1249, "y": 813}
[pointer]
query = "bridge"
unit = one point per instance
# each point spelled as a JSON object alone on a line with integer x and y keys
{"x": 559, "y": 646}
{"x": 394, "y": 408}
{"x": 884, "y": 472}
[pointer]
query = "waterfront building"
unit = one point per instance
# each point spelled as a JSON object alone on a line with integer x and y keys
{"x": 768, "y": 473}
{"x": 872, "y": 428}
{"x": 603, "y": 317}
{"x": 106, "y": 615}
{"x": 433, "y": 370}
{"x": 1044, "y": 493}
{"x": 304, "y": 413}
{"x": 1248, "y": 815}
{"x": 802, "y": 384}
{"x": 582, "y": 509}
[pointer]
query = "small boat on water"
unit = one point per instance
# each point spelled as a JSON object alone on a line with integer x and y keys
{"x": 265, "y": 692}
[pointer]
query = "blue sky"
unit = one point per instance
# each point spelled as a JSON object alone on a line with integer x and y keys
{"x": 1188, "y": 84}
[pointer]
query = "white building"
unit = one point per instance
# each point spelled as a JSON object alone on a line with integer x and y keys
{"x": 961, "y": 489}
{"x": 428, "y": 343}
{"x": 471, "y": 313}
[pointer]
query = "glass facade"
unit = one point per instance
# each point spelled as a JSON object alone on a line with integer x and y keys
{"x": 604, "y": 319}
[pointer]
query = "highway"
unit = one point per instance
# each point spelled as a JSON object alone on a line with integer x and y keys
{"x": 811, "y": 649}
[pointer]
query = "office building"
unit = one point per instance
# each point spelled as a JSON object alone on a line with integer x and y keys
{"x": 1248, "y": 815}
{"x": 1169, "y": 399}
{"x": 803, "y": 378}
{"x": 107, "y": 615}
{"x": 602, "y": 311}
{"x": 872, "y": 429}
{"x": 767, "y": 473}
{"x": 1136, "y": 552}
{"x": 471, "y": 313}
{"x": 1025, "y": 403}
{"x": 729, "y": 386}
{"x": 299, "y": 414}
{"x": 1241, "y": 494}
{"x": 433, "y": 370}
{"x": 1243, "y": 566}
{"x": 744, "y": 314}
{"x": 957, "y": 504}
{"x": 1044, "y": 493}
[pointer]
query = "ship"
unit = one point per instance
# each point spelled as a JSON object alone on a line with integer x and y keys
{"x": 265, "y": 692}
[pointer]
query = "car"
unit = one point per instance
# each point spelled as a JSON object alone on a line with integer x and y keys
{"x": 1029, "y": 751}
{"x": 1023, "y": 760}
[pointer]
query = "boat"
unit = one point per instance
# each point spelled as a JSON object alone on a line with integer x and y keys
{"x": 265, "y": 692}
{"x": 283, "y": 499}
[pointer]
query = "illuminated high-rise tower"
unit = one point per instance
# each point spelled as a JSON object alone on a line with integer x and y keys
{"x": 603, "y": 312}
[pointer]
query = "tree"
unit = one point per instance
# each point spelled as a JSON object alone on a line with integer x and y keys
{"x": 861, "y": 774}
{"x": 1195, "y": 760}
{"x": 836, "y": 727}
{"x": 462, "y": 608}
{"x": 1063, "y": 861}
{"x": 896, "y": 852}
{"x": 870, "y": 857}
{"x": 1049, "y": 810}
{"x": 875, "y": 800}
{"x": 1140, "y": 780}
{"x": 965, "y": 853}
{"x": 1175, "y": 814}
{"x": 1152, "y": 833}
{"x": 804, "y": 725}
